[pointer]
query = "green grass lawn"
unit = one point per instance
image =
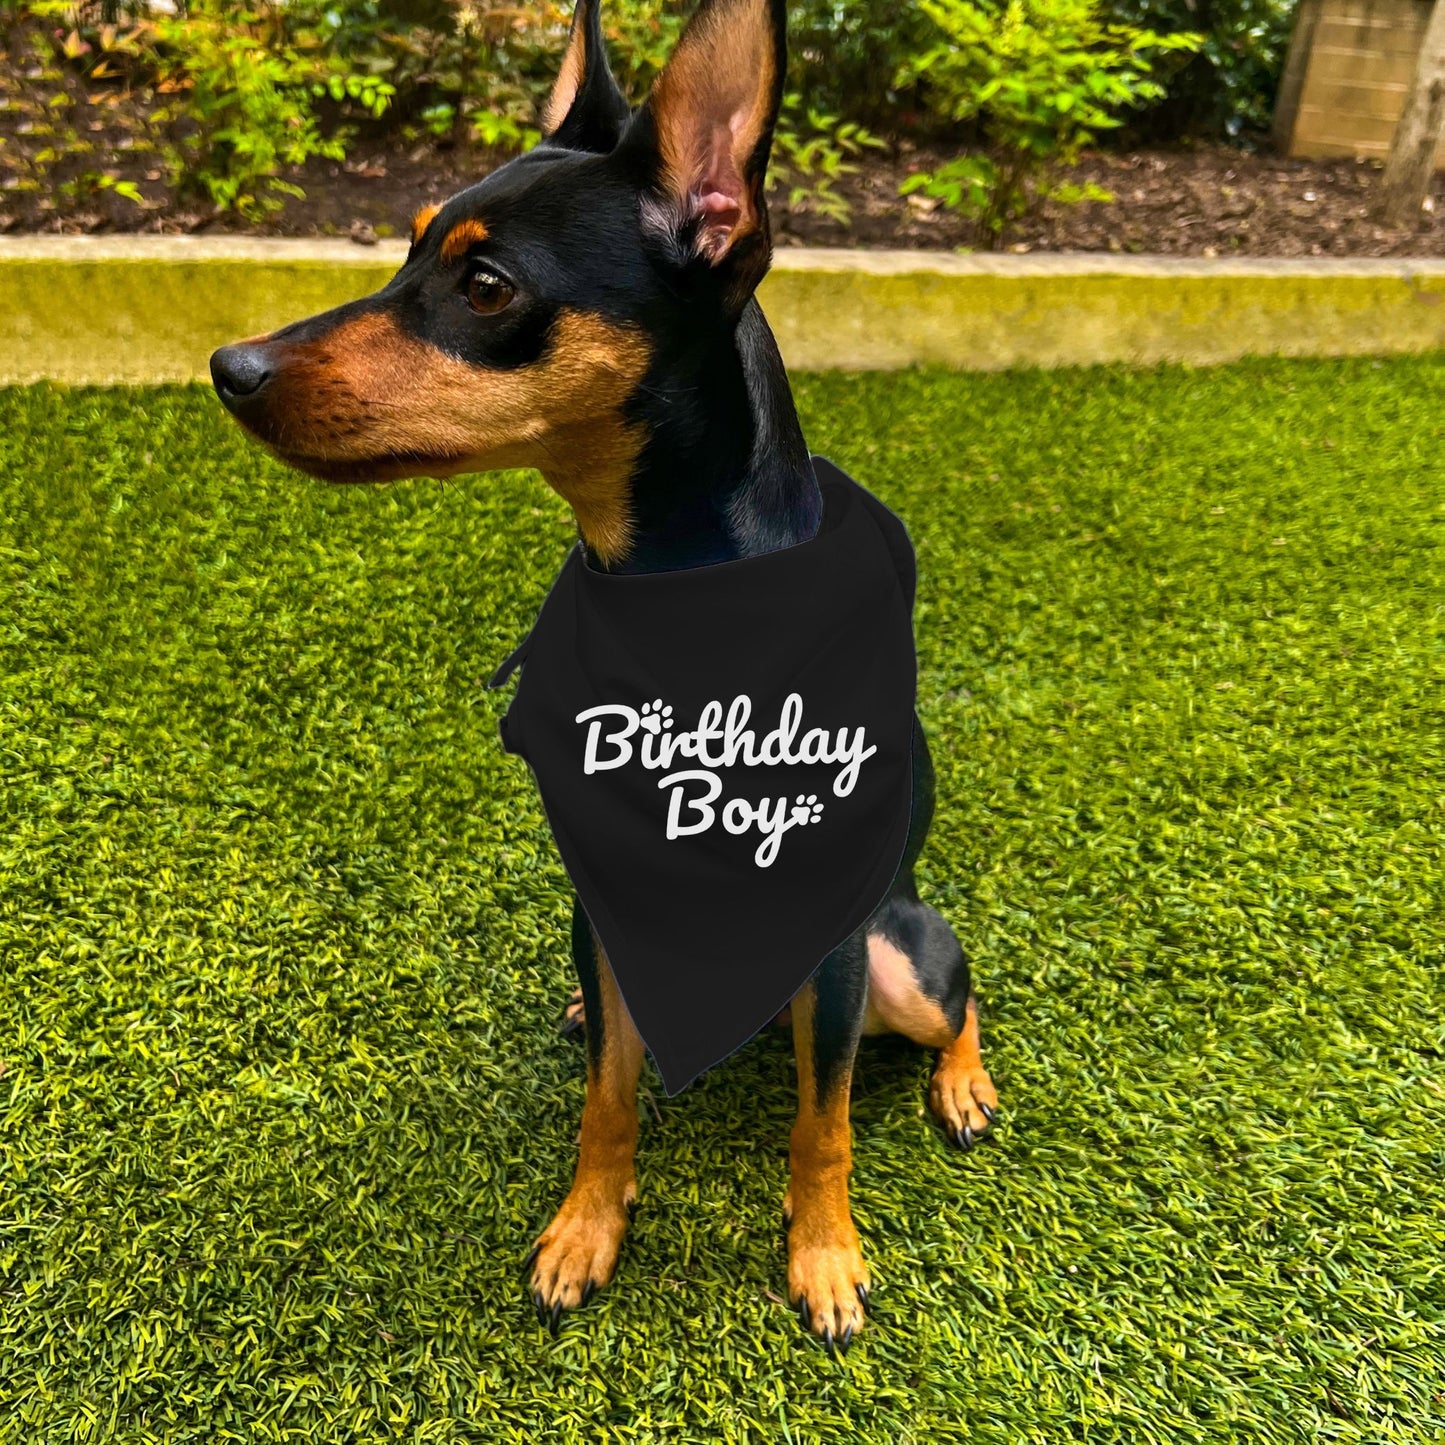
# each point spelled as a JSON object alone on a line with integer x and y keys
{"x": 282, "y": 946}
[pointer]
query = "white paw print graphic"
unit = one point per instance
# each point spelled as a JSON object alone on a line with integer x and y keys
{"x": 655, "y": 716}
{"x": 807, "y": 810}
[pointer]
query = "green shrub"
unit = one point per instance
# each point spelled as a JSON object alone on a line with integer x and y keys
{"x": 850, "y": 56}
{"x": 640, "y": 36}
{"x": 248, "y": 88}
{"x": 47, "y": 69}
{"x": 1035, "y": 81}
{"x": 244, "y": 95}
{"x": 458, "y": 72}
{"x": 1228, "y": 87}
{"x": 482, "y": 74}
{"x": 845, "y": 55}
{"x": 811, "y": 150}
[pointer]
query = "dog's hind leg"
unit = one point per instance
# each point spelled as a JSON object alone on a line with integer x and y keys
{"x": 827, "y": 1279}
{"x": 577, "y": 1252}
{"x": 919, "y": 986}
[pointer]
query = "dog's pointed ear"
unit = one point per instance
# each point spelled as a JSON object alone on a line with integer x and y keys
{"x": 709, "y": 126}
{"x": 586, "y": 111}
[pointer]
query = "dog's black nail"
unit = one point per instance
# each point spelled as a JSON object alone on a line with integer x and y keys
{"x": 828, "y": 1339}
{"x": 804, "y": 1313}
{"x": 555, "y": 1318}
{"x": 631, "y": 1209}
{"x": 967, "y": 1137}
{"x": 862, "y": 1292}
{"x": 845, "y": 1340}
{"x": 540, "y": 1305}
{"x": 531, "y": 1258}
{"x": 989, "y": 1114}
{"x": 587, "y": 1290}
{"x": 570, "y": 1026}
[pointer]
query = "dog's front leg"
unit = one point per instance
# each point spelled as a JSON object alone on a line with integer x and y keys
{"x": 827, "y": 1279}
{"x": 577, "y": 1252}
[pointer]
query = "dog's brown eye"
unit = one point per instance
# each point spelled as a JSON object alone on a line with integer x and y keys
{"x": 488, "y": 294}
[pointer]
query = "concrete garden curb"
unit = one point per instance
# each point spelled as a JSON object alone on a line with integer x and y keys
{"x": 150, "y": 309}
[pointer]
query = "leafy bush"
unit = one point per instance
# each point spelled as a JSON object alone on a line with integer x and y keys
{"x": 1035, "y": 81}
{"x": 1228, "y": 87}
{"x": 240, "y": 90}
{"x": 640, "y": 36}
{"x": 245, "y": 91}
{"x": 481, "y": 70}
{"x": 46, "y": 67}
{"x": 811, "y": 150}
{"x": 850, "y": 56}
{"x": 845, "y": 56}
{"x": 225, "y": 94}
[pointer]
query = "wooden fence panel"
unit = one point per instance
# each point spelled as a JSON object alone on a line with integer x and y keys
{"x": 1349, "y": 66}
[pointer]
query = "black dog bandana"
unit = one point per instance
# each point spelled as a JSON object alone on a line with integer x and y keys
{"x": 723, "y": 754}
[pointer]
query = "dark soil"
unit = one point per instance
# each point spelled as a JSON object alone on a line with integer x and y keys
{"x": 1199, "y": 201}
{"x": 1202, "y": 201}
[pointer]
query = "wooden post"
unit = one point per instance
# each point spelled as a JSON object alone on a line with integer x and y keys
{"x": 1292, "y": 81}
{"x": 1412, "y": 151}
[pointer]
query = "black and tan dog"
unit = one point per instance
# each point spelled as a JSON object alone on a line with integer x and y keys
{"x": 588, "y": 310}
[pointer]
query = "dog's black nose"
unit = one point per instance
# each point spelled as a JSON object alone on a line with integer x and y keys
{"x": 239, "y": 372}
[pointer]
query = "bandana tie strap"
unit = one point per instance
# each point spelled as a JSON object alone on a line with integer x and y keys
{"x": 503, "y": 675}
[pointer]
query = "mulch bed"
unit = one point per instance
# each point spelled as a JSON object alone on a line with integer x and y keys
{"x": 1200, "y": 201}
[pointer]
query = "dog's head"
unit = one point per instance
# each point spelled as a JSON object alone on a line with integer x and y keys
{"x": 531, "y": 305}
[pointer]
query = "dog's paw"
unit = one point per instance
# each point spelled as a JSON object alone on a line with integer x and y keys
{"x": 963, "y": 1100}
{"x": 577, "y": 1253}
{"x": 828, "y": 1285}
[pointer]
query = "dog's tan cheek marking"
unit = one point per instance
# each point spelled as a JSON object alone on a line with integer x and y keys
{"x": 594, "y": 475}
{"x": 421, "y": 221}
{"x": 370, "y": 391}
{"x": 461, "y": 236}
{"x": 895, "y": 1002}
